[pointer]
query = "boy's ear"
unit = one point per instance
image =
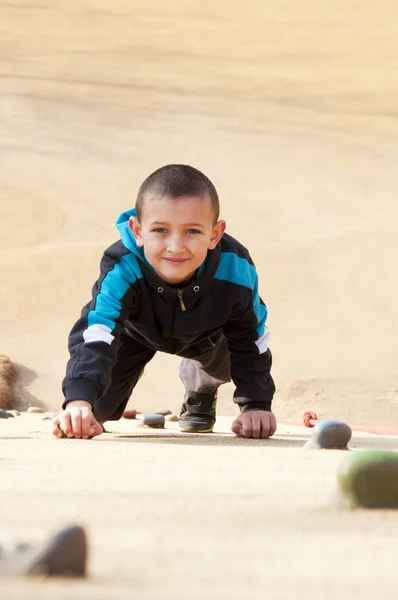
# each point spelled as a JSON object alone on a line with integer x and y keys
{"x": 135, "y": 227}
{"x": 218, "y": 232}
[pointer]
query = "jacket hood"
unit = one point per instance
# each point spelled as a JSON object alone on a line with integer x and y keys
{"x": 127, "y": 235}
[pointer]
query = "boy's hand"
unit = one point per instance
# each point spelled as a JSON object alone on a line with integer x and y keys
{"x": 255, "y": 424}
{"x": 76, "y": 421}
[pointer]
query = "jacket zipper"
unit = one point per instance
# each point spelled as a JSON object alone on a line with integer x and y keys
{"x": 179, "y": 294}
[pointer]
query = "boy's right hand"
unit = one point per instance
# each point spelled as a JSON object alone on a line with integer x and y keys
{"x": 76, "y": 421}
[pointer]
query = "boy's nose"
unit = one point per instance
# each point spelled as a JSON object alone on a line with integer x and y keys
{"x": 175, "y": 245}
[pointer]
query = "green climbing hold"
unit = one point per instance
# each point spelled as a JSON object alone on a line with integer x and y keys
{"x": 369, "y": 479}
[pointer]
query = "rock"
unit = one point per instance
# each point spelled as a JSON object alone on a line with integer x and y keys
{"x": 50, "y": 416}
{"x": 329, "y": 435}
{"x": 369, "y": 479}
{"x": 155, "y": 421}
{"x": 4, "y": 414}
{"x": 172, "y": 418}
{"x": 162, "y": 412}
{"x": 63, "y": 554}
{"x": 130, "y": 414}
{"x": 35, "y": 409}
{"x": 7, "y": 375}
{"x": 14, "y": 413}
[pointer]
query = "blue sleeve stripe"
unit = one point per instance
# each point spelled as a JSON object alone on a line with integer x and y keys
{"x": 260, "y": 310}
{"x": 114, "y": 286}
{"x": 238, "y": 270}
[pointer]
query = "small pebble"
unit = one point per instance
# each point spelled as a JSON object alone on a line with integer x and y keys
{"x": 162, "y": 412}
{"x": 369, "y": 479}
{"x": 172, "y": 418}
{"x": 35, "y": 409}
{"x": 130, "y": 414}
{"x": 50, "y": 416}
{"x": 4, "y": 414}
{"x": 15, "y": 413}
{"x": 155, "y": 421}
{"x": 329, "y": 435}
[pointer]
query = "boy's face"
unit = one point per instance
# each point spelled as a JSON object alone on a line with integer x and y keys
{"x": 176, "y": 234}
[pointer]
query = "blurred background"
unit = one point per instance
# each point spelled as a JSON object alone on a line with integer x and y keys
{"x": 290, "y": 108}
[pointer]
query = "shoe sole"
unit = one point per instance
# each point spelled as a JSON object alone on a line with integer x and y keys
{"x": 190, "y": 429}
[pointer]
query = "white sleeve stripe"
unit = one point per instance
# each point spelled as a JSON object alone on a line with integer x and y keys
{"x": 98, "y": 333}
{"x": 262, "y": 342}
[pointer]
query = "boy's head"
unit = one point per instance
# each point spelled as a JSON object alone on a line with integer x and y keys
{"x": 177, "y": 222}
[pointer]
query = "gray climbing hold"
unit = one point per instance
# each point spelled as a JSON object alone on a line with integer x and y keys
{"x": 63, "y": 554}
{"x": 369, "y": 479}
{"x": 329, "y": 435}
{"x": 4, "y": 414}
{"x": 155, "y": 421}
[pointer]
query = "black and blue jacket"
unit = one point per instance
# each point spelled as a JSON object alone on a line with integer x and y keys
{"x": 129, "y": 296}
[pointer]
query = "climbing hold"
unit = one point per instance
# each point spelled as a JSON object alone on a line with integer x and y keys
{"x": 369, "y": 479}
{"x": 309, "y": 417}
{"x": 35, "y": 409}
{"x": 155, "y": 421}
{"x": 14, "y": 413}
{"x": 130, "y": 414}
{"x": 3, "y": 414}
{"x": 172, "y": 418}
{"x": 328, "y": 435}
{"x": 162, "y": 412}
{"x": 63, "y": 554}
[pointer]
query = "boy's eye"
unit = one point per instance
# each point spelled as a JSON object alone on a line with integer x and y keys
{"x": 193, "y": 231}
{"x": 159, "y": 230}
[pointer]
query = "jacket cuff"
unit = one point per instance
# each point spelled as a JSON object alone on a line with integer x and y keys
{"x": 245, "y": 407}
{"x": 80, "y": 389}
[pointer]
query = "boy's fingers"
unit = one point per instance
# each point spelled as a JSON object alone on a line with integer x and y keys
{"x": 247, "y": 426}
{"x": 95, "y": 429}
{"x": 256, "y": 423}
{"x": 86, "y": 419}
{"x": 76, "y": 423}
{"x": 237, "y": 426}
{"x": 273, "y": 425}
{"x": 265, "y": 429}
{"x": 268, "y": 426}
{"x": 55, "y": 430}
{"x": 65, "y": 423}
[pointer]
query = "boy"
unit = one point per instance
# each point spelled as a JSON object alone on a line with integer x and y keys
{"x": 174, "y": 283}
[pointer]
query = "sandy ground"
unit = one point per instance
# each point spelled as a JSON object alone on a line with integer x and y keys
{"x": 291, "y": 109}
{"x": 179, "y": 516}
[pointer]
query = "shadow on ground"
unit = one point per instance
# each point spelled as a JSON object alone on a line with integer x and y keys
{"x": 281, "y": 441}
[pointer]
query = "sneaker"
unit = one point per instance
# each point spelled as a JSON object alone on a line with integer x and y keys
{"x": 198, "y": 413}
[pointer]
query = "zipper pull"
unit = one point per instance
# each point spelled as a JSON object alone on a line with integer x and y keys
{"x": 179, "y": 294}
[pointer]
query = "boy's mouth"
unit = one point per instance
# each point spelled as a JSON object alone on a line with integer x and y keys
{"x": 176, "y": 261}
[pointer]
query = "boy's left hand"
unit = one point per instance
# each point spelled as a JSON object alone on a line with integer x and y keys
{"x": 255, "y": 424}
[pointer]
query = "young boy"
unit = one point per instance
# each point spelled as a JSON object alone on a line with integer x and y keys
{"x": 174, "y": 283}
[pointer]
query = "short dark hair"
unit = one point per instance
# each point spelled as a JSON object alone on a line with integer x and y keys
{"x": 177, "y": 181}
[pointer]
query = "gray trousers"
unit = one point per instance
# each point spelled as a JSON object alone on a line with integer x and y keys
{"x": 203, "y": 368}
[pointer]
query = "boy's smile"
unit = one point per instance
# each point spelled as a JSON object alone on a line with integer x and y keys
{"x": 176, "y": 234}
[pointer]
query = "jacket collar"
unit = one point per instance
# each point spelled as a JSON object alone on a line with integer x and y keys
{"x": 192, "y": 291}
